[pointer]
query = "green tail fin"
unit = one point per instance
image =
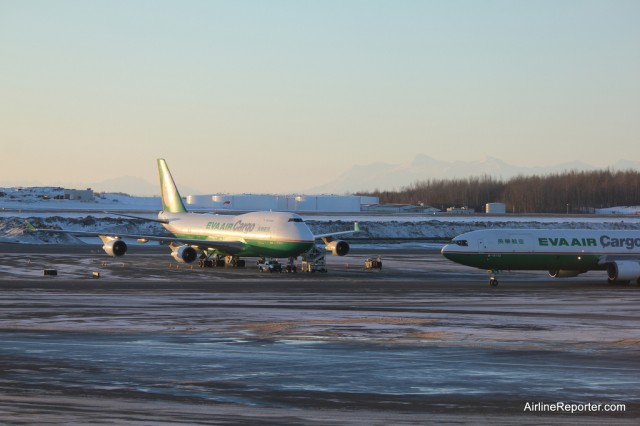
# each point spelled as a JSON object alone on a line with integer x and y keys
{"x": 171, "y": 200}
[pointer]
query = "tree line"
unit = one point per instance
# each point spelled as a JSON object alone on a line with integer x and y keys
{"x": 573, "y": 191}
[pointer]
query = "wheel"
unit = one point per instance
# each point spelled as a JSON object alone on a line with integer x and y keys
{"x": 493, "y": 282}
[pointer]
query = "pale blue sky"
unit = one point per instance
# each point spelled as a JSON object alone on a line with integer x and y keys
{"x": 278, "y": 96}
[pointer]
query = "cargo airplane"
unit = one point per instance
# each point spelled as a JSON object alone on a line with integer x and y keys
{"x": 256, "y": 234}
{"x": 564, "y": 253}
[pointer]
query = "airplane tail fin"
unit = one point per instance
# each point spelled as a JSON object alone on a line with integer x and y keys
{"x": 171, "y": 200}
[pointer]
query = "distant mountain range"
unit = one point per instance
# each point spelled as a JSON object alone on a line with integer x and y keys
{"x": 386, "y": 176}
{"x": 368, "y": 177}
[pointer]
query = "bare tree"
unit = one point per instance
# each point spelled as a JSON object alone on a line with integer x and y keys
{"x": 573, "y": 191}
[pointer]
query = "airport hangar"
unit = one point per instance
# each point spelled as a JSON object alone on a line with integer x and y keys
{"x": 301, "y": 203}
{"x": 298, "y": 203}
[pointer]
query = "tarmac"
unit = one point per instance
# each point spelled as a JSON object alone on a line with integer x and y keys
{"x": 422, "y": 341}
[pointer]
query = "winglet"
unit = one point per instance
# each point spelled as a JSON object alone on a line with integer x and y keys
{"x": 171, "y": 200}
{"x": 356, "y": 226}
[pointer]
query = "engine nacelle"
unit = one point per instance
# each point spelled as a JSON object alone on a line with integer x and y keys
{"x": 184, "y": 254}
{"x": 338, "y": 247}
{"x": 623, "y": 270}
{"x": 563, "y": 273}
{"x": 114, "y": 247}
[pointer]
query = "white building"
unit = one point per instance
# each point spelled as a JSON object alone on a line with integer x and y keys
{"x": 301, "y": 203}
{"x": 496, "y": 208}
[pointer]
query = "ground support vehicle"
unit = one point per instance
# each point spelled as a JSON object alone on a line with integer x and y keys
{"x": 371, "y": 263}
{"x": 269, "y": 266}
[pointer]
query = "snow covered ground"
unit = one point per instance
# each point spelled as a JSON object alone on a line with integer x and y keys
{"x": 39, "y": 207}
{"x": 45, "y": 199}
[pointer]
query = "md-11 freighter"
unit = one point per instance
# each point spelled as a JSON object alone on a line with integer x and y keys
{"x": 564, "y": 253}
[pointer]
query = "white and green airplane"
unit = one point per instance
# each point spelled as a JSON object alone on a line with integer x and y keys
{"x": 263, "y": 234}
{"x": 564, "y": 253}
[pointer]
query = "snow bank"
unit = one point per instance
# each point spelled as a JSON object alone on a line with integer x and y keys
{"x": 443, "y": 229}
{"x": 50, "y": 198}
{"x": 13, "y": 229}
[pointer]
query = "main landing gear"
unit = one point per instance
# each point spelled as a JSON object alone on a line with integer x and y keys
{"x": 493, "y": 281}
{"x": 219, "y": 261}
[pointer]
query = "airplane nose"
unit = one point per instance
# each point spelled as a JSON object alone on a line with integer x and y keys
{"x": 446, "y": 251}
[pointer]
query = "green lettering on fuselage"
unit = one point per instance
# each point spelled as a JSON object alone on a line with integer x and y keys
{"x": 238, "y": 226}
{"x": 563, "y": 242}
{"x": 219, "y": 226}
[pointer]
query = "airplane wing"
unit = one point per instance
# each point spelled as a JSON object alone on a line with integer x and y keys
{"x": 613, "y": 257}
{"x": 330, "y": 236}
{"x": 230, "y": 247}
{"x": 117, "y": 236}
{"x": 146, "y": 219}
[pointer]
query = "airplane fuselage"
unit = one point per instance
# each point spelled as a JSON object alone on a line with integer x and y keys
{"x": 515, "y": 249}
{"x": 262, "y": 234}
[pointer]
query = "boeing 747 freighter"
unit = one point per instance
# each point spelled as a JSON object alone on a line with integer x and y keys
{"x": 257, "y": 234}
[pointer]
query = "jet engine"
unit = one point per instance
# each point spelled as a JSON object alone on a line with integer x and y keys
{"x": 337, "y": 247}
{"x": 114, "y": 247}
{"x": 623, "y": 270}
{"x": 184, "y": 254}
{"x": 563, "y": 273}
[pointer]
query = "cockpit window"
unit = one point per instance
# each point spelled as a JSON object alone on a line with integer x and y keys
{"x": 463, "y": 243}
{"x": 296, "y": 219}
